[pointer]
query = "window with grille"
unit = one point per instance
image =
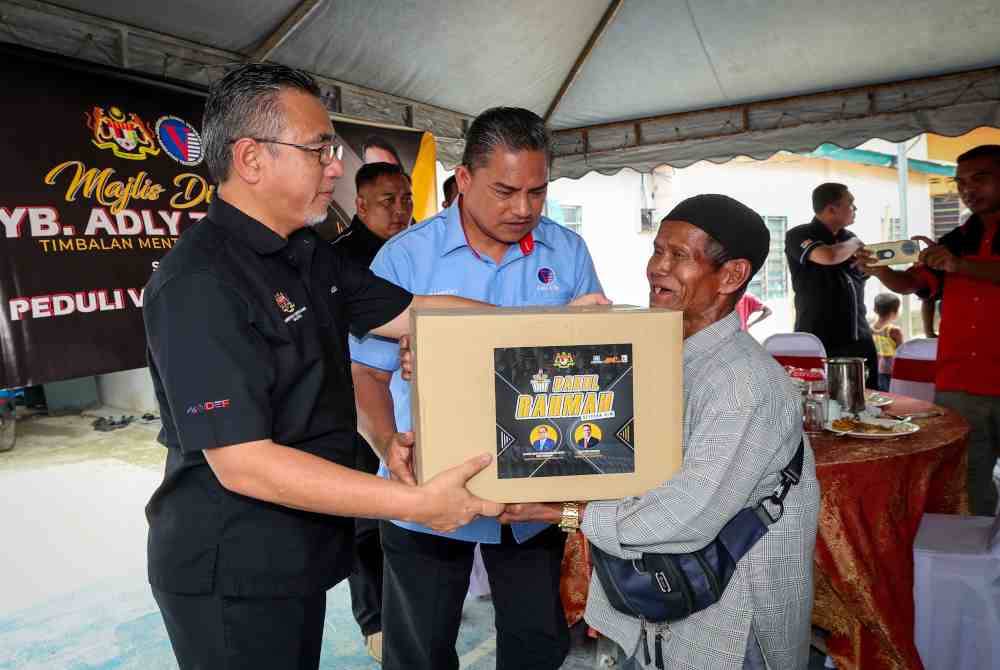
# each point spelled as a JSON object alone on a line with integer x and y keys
{"x": 896, "y": 229}
{"x": 772, "y": 280}
{"x": 945, "y": 215}
{"x": 573, "y": 218}
{"x": 647, "y": 223}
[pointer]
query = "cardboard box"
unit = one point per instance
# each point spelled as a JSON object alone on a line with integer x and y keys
{"x": 578, "y": 403}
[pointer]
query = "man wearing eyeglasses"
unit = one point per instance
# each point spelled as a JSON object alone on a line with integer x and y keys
{"x": 247, "y": 324}
{"x": 829, "y": 286}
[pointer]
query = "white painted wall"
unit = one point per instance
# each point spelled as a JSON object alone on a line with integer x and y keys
{"x": 781, "y": 186}
{"x": 611, "y": 220}
{"x": 130, "y": 390}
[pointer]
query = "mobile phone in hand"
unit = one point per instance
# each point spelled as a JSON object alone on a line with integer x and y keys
{"x": 897, "y": 252}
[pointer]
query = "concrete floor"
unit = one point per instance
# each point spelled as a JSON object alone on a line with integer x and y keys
{"x": 73, "y": 590}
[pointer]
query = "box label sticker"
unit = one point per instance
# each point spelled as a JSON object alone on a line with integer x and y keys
{"x": 564, "y": 411}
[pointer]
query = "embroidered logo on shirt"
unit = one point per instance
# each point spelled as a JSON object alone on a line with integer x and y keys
{"x": 296, "y": 315}
{"x": 208, "y": 406}
{"x": 286, "y": 305}
{"x": 546, "y": 275}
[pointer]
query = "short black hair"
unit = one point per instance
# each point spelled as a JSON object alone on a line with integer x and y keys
{"x": 369, "y": 173}
{"x": 886, "y": 304}
{"x": 380, "y": 142}
{"x": 827, "y": 194}
{"x": 515, "y": 128}
{"x": 450, "y": 184}
{"x": 982, "y": 151}
{"x": 244, "y": 103}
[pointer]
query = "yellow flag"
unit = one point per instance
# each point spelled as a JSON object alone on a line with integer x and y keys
{"x": 425, "y": 198}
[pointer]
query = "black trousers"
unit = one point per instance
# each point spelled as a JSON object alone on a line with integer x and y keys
{"x": 214, "y": 632}
{"x": 366, "y": 575}
{"x": 427, "y": 577}
{"x": 864, "y": 349}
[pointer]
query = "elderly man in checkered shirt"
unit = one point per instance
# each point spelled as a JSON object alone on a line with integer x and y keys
{"x": 742, "y": 425}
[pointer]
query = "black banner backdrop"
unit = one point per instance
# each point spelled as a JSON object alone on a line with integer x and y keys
{"x": 102, "y": 174}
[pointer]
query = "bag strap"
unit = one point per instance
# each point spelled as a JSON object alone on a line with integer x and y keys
{"x": 790, "y": 476}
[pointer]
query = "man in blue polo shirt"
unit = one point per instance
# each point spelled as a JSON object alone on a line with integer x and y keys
{"x": 492, "y": 244}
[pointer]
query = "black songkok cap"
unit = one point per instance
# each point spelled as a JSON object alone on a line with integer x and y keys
{"x": 739, "y": 229}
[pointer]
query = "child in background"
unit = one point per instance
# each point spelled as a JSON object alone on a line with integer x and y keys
{"x": 887, "y": 336}
{"x": 748, "y": 305}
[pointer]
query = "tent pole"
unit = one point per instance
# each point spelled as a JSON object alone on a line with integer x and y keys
{"x": 609, "y": 15}
{"x": 291, "y": 23}
{"x": 903, "y": 172}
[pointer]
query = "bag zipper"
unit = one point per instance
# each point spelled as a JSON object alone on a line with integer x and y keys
{"x": 660, "y": 628}
{"x": 644, "y": 640}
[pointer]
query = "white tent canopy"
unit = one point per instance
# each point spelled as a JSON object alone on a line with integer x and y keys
{"x": 749, "y": 70}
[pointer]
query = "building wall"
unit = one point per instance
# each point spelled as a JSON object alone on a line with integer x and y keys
{"x": 130, "y": 390}
{"x": 941, "y": 148}
{"x": 779, "y": 187}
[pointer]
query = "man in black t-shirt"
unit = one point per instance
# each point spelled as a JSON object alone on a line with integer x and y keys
{"x": 247, "y": 323}
{"x": 829, "y": 287}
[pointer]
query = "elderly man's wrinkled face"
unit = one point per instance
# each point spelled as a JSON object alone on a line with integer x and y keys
{"x": 681, "y": 277}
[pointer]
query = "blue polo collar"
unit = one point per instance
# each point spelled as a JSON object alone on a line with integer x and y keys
{"x": 455, "y": 237}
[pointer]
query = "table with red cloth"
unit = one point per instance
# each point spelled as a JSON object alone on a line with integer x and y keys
{"x": 874, "y": 493}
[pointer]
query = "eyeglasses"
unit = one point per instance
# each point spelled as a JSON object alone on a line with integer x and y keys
{"x": 325, "y": 152}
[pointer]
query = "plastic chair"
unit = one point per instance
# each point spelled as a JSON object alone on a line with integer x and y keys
{"x": 956, "y": 591}
{"x": 914, "y": 368}
{"x": 800, "y": 350}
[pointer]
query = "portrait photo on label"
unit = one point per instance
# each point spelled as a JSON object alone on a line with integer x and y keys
{"x": 564, "y": 411}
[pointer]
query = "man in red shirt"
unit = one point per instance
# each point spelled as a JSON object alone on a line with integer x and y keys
{"x": 964, "y": 265}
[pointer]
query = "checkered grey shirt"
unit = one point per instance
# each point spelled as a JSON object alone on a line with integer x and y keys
{"x": 742, "y": 423}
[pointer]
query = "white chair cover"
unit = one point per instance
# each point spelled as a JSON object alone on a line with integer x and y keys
{"x": 798, "y": 349}
{"x": 912, "y": 380}
{"x": 956, "y": 589}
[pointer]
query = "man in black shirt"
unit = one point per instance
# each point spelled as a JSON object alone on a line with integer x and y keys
{"x": 385, "y": 207}
{"x": 829, "y": 287}
{"x": 247, "y": 320}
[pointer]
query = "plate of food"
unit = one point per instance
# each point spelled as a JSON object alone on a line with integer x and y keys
{"x": 871, "y": 428}
{"x": 877, "y": 399}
